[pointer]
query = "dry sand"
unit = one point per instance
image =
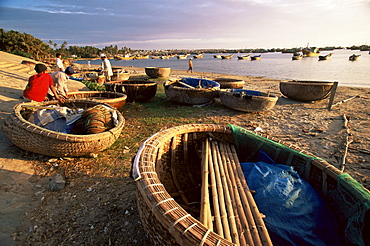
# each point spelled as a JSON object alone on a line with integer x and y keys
{"x": 310, "y": 126}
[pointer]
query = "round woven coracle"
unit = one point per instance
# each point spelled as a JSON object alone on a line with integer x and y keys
{"x": 39, "y": 140}
{"x": 114, "y": 99}
{"x": 247, "y": 100}
{"x": 226, "y": 83}
{"x": 158, "y": 72}
{"x": 306, "y": 90}
{"x": 179, "y": 92}
{"x": 136, "y": 90}
{"x": 169, "y": 170}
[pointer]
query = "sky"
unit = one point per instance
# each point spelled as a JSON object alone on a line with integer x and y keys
{"x": 191, "y": 24}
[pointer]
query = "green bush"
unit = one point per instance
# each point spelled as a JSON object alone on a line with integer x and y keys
{"x": 21, "y": 53}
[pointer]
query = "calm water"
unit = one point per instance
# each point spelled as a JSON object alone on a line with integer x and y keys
{"x": 274, "y": 65}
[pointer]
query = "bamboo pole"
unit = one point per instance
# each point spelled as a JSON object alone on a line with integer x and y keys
{"x": 186, "y": 158}
{"x": 221, "y": 197}
{"x": 204, "y": 204}
{"x": 216, "y": 207}
{"x": 173, "y": 170}
{"x": 347, "y": 143}
{"x": 266, "y": 240}
{"x": 255, "y": 238}
{"x": 229, "y": 206}
{"x": 244, "y": 232}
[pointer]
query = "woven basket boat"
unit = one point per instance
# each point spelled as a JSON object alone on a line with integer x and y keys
{"x": 226, "y": 83}
{"x": 186, "y": 91}
{"x": 167, "y": 169}
{"x": 247, "y": 100}
{"x": 39, "y": 140}
{"x": 114, "y": 99}
{"x": 306, "y": 90}
{"x": 158, "y": 72}
{"x": 136, "y": 90}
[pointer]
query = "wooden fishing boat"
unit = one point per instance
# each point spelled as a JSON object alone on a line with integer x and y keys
{"x": 247, "y": 100}
{"x": 120, "y": 75}
{"x": 244, "y": 57}
{"x": 325, "y": 57}
{"x": 40, "y": 140}
{"x": 189, "y": 183}
{"x": 158, "y": 72}
{"x": 301, "y": 90}
{"x": 311, "y": 51}
{"x": 136, "y": 90}
{"x": 198, "y": 56}
{"x": 256, "y": 58}
{"x": 297, "y": 57}
{"x": 227, "y": 56}
{"x": 182, "y": 56}
{"x": 216, "y": 56}
{"x": 226, "y": 83}
{"x": 354, "y": 57}
{"x": 192, "y": 90}
{"x": 114, "y": 99}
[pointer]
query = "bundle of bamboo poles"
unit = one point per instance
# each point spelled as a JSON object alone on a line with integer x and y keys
{"x": 227, "y": 205}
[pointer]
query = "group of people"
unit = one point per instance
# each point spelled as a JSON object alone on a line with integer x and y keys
{"x": 45, "y": 86}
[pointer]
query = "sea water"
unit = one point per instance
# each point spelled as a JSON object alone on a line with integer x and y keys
{"x": 274, "y": 65}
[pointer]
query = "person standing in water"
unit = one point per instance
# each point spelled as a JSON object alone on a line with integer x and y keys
{"x": 190, "y": 65}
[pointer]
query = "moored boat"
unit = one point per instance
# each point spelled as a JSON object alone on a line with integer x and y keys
{"x": 216, "y": 56}
{"x": 354, "y": 57}
{"x": 301, "y": 90}
{"x": 189, "y": 181}
{"x": 182, "y": 56}
{"x": 192, "y": 90}
{"x": 198, "y": 56}
{"x": 256, "y": 58}
{"x": 226, "y": 56}
{"x": 247, "y": 100}
{"x": 311, "y": 51}
{"x": 325, "y": 57}
{"x": 244, "y": 57}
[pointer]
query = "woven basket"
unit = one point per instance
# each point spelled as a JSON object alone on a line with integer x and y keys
{"x": 39, "y": 140}
{"x": 233, "y": 98}
{"x": 192, "y": 96}
{"x": 306, "y": 90}
{"x": 226, "y": 83}
{"x": 174, "y": 152}
{"x": 158, "y": 72}
{"x": 114, "y": 99}
{"x": 136, "y": 90}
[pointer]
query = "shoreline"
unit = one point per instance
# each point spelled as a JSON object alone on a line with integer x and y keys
{"x": 308, "y": 125}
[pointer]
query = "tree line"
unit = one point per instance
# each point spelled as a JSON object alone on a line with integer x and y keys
{"x": 26, "y": 45}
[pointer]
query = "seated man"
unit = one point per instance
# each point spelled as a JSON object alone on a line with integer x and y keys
{"x": 60, "y": 79}
{"x": 38, "y": 86}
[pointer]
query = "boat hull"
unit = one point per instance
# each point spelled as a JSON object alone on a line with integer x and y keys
{"x": 306, "y": 90}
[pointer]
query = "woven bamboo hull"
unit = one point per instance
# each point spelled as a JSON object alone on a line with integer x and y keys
{"x": 306, "y": 90}
{"x": 39, "y": 140}
{"x": 192, "y": 96}
{"x": 158, "y": 72}
{"x": 174, "y": 151}
{"x": 136, "y": 90}
{"x": 226, "y": 83}
{"x": 114, "y": 99}
{"x": 247, "y": 103}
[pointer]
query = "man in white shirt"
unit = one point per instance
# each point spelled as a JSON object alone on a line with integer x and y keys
{"x": 60, "y": 80}
{"x": 59, "y": 62}
{"x": 106, "y": 67}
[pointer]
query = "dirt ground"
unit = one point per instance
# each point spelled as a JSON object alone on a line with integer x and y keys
{"x": 98, "y": 205}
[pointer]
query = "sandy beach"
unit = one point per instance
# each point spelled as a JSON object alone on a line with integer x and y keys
{"x": 310, "y": 126}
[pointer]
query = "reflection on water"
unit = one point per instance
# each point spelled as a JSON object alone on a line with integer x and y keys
{"x": 274, "y": 65}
